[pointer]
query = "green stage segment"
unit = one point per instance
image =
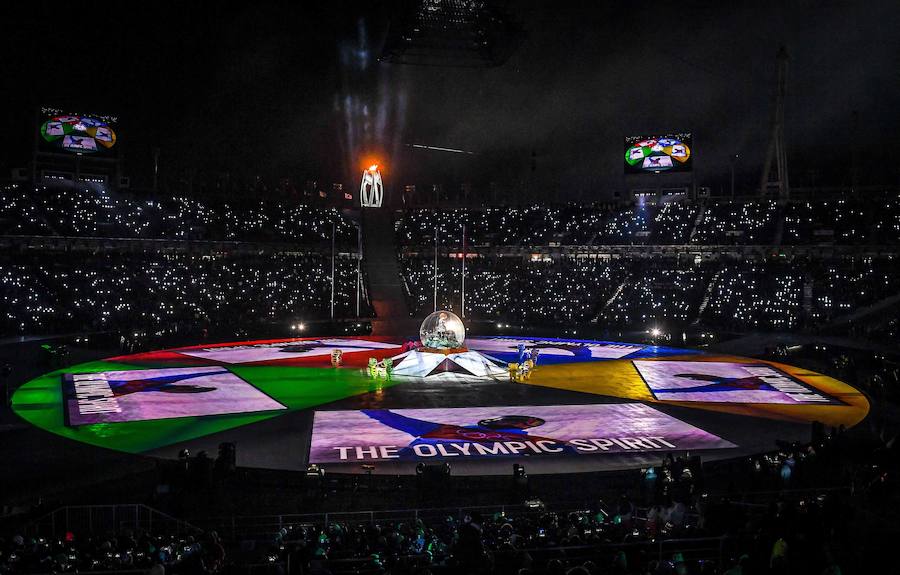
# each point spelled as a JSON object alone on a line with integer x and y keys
{"x": 40, "y": 402}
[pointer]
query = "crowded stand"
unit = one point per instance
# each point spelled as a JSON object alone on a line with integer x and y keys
{"x": 888, "y": 328}
{"x": 657, "y": 294}
{"x": 753, "y": 296}
{"x": 776, "y": 294}
{"x": 92, "y": 211}
{"x": 751, "y": 222}
{"x": 46, "y": 293}
{"x": 673, "y": 223}
{"x": 507, "y": 288}
{"x": 841, "y": 287}
{"x": 771, "y": 294}
{"x": 88, "y": 210}
{"x": 843, "y": 221}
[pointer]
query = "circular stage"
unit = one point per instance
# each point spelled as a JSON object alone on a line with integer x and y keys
{"x": 583, "y": 406}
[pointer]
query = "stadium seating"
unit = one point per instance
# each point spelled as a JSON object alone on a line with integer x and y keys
{"x": 50, "y": 293}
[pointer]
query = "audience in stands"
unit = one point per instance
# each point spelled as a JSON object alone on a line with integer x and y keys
{"x": 128, "y": 551}
{"x": 47, "y": 293}
{"x": 755, "y": 222}
{"x": 670, "y": 293}
{"x": 59, "y": 293}
{"x": 91, "y": 211}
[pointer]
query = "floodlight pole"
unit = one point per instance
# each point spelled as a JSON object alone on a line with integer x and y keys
{"x": 155, "y": 168}
{"x": 358, "y": 266}
{"x": 733, "y": 160}
{"x": 332, "y": 269}
{"x": 435, "y": 265}
{"x": 462, "y": 303}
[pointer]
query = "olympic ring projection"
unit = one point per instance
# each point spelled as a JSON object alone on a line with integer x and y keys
{"x": 563, "y": 405}
{"x": 659, "y": 153}
{"x": 78, "y": 134}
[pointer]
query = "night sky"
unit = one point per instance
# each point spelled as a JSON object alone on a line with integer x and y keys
{"x": 296, "y": 90}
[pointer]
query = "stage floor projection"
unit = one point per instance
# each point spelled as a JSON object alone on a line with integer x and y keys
{"x": 584, "y": 406}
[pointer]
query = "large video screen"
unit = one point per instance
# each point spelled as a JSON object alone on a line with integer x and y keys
{"x": 659, "y": 153}
{"x": 723, "y": 382}
{"x": 477, "y": 432}
{"x": 77, "y": 133}
{"x": 148, "y": 394}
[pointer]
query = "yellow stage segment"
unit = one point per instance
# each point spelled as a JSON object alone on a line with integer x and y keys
{"x": 619, "y": 378}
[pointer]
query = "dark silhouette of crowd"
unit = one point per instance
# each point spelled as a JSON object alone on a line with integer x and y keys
{"x": 129, "y": 551}
{"x": 795, "y": 510}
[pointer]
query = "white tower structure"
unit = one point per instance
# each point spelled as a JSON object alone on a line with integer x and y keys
{"x": 371, "y": 189}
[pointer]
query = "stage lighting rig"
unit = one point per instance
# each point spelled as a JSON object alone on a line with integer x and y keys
{"x": 461, "y": 33}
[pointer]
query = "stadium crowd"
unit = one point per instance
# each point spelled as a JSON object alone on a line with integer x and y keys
{"x": 60, "y": 293}
{"x": 45, "y": 293}
{"x": 92, "y": 211}
{"x": 50, "y": 293}
{"x": 726, "y": 293}
{"x": 752, "y": 222}
{"x": 128, "y": 551}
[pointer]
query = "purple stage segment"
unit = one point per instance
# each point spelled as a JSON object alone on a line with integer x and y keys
{"x": 148, "y": 394}
{"x": 726, "y": 382}
{"x": 555, "y": 347}
{"x": 488, "y": 432}
{"x": 250, "y": 353}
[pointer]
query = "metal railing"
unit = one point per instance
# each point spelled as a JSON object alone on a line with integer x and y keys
{"x": 89, "y": 519}
{"x": 256, "y": 526}
{"x": 94, "y": 519}
{"x": 265, "y": 526}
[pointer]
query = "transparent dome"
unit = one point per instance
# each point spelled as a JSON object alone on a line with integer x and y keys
{"x": 442, "y": 330}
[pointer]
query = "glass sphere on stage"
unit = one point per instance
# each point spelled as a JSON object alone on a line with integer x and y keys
{"x": 442, "y": 330}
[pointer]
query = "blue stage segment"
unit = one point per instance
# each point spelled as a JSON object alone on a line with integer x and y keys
{"x": 551, "y": 350}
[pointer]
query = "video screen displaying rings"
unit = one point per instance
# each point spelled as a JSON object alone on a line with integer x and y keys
{"x": 670, "y": 152}
{"x": 77, "y": 133}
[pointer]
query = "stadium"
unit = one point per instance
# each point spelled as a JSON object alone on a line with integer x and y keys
{"x": 445, "y": 286}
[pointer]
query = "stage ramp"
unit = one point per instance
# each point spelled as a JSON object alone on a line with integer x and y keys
{"x": 383, "y": 270}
